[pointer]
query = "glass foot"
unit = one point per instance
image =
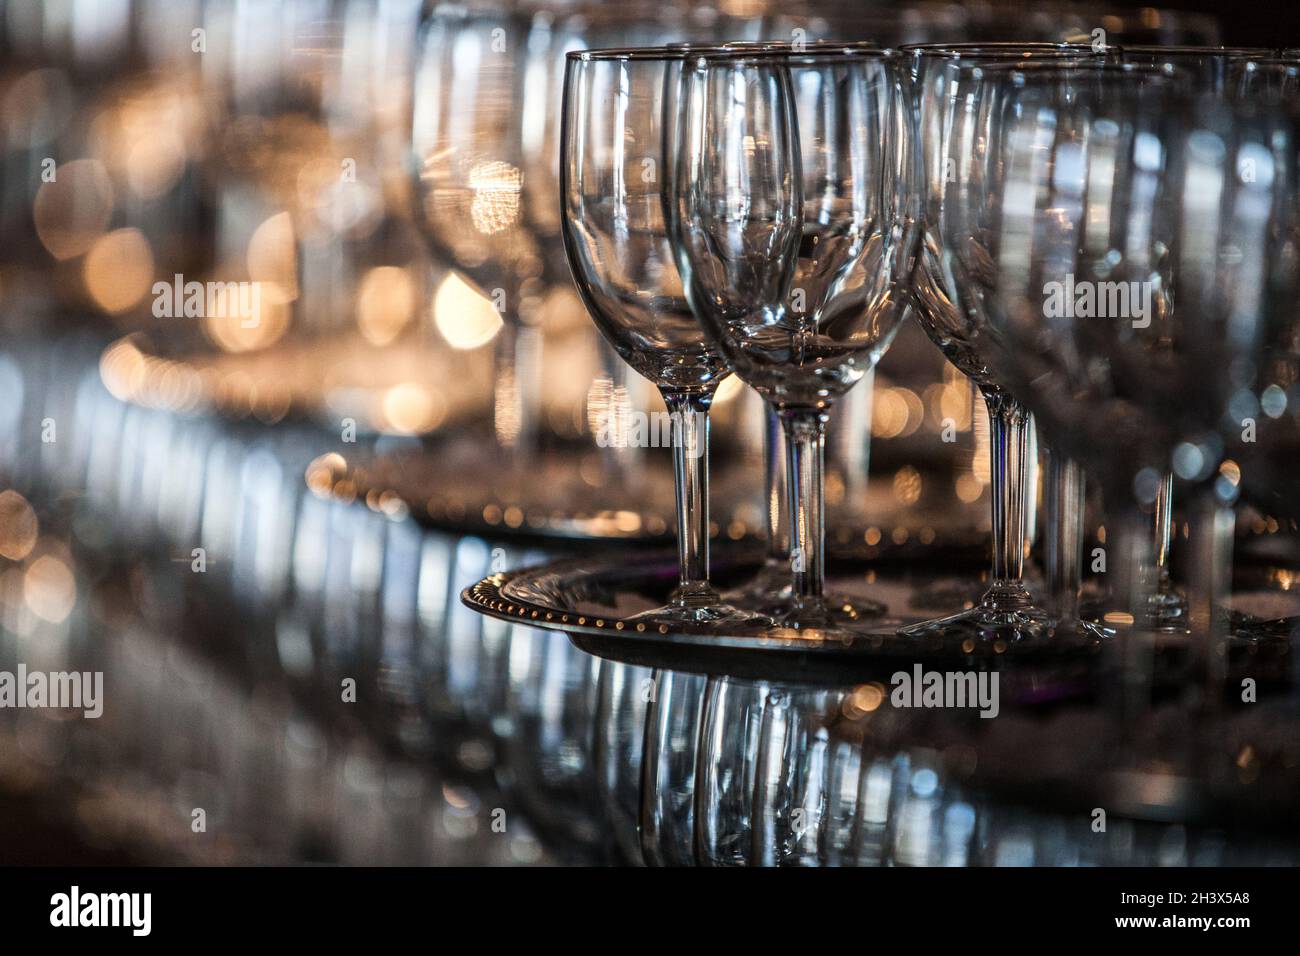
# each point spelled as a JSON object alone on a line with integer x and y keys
{"x": 1167, "y": 610}
{"x": 770, "y": 587}
{"x": 1246, "y": 627}
{"x": 700, "y": 607}
{"x": 949, "y": 593}
{"x": 837, "y": 611}
{"x": 840, "y": 616}
{"x": 770, "y": 593}
{"x": 988, "y": 627}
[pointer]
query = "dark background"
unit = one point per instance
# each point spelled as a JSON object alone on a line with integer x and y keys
{"x": 1244, "y": 23}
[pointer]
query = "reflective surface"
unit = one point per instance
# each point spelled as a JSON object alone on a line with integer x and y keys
{"x": 235, "y": 675}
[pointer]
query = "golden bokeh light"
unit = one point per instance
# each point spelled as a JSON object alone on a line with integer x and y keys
{"x": 969, "y": 488}
{"x": 49, "y": 589}
{"x": 235, "y": 328}
{"x": 18, "y": 526}
{"x": 142, "y": 138}
{"x": 73, "y": 211}
{"x": 896, "y": 413}
{"x": 386, "y": 302}
{"x": 118, "y": 269}
{"x": 496, "y": 187}
{"x": 864, "y": 699}
{"x": 411, "y": 409}
{"x": 273, "y": 259}
{"x": 323, "y": 471}
{"x": 465, "y": 318}
{"x": 907, "y": 485}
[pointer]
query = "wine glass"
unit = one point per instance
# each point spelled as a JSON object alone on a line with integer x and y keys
{"x": 1110, "y": 235}
{"x": 614, "y": 159}
{"x": 1268, "y": 478}
{"x": 1214, "y": 69}
{"x": 948, "y": 178}
{"x": 771, "y": 586}
{"x": 791, "y": 242}
{"x": 468, "y": 140}
{"x": 1252, "y": 344}
{"x": 830, "y": 24}
{"x": 592, "y": 25}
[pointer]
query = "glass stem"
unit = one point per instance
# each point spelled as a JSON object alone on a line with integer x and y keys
{"x": 1008, "y": 423}
{"x": 1029, "y": 495}
{"x": 618, "y": 456}
{"x": 805, "y": 436}
{"x": 1129, "y": 563}
{"x": 1164, "y": 528}
{"x": 690, "y": 435}
{"x": 1063, "y": 542}
{"x": 849, "y": 443}
{"x": 774, "y": 480}
{"x": 518, "y": 359}
{"x": 1168, "y": 607}
{"x": 1210, "y": 585}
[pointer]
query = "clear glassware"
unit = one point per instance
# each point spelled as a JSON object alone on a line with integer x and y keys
{"x": 1216, "y": 69}
{"x": 593, "y": 25}
{"x": 468, "y": 150}
{"x": 791, "y": 240}
{"x": 615, "y": 158}
{"x": 727, "y": 769}
{"x": 484, "y": 135}
{"x": 948, "y": 178}
{"x": 1201, "y": 68}
{"x": 771, "y": 586}
{"x": 1270, "y": 480}
{"x": 1111, "y": 232}
{"x": 624, "y": 693}
{"x": 668, "y": 768}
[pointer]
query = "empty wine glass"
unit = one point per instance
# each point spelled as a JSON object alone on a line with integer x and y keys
{"x": 470, "y": 141}
{"x": 593, "y": 25}
{"x": 792, "y": 243}
{"x": 1217, "y": 69}
{"x": 614, "y": 158}
{"x": 1111, "y": 234}
{"x": 771, "y": 587}
{"x": 1267, "y": 475}
{"x": 950, "y": 99}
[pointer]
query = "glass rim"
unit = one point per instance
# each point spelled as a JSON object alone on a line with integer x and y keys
{"x": 1041, "y": 49}
{"x": 1292, "y": 60}
{"x": 1006, "y": 50}
{"x": 817, "y": 51}
{"x": 1253, "y": 52}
